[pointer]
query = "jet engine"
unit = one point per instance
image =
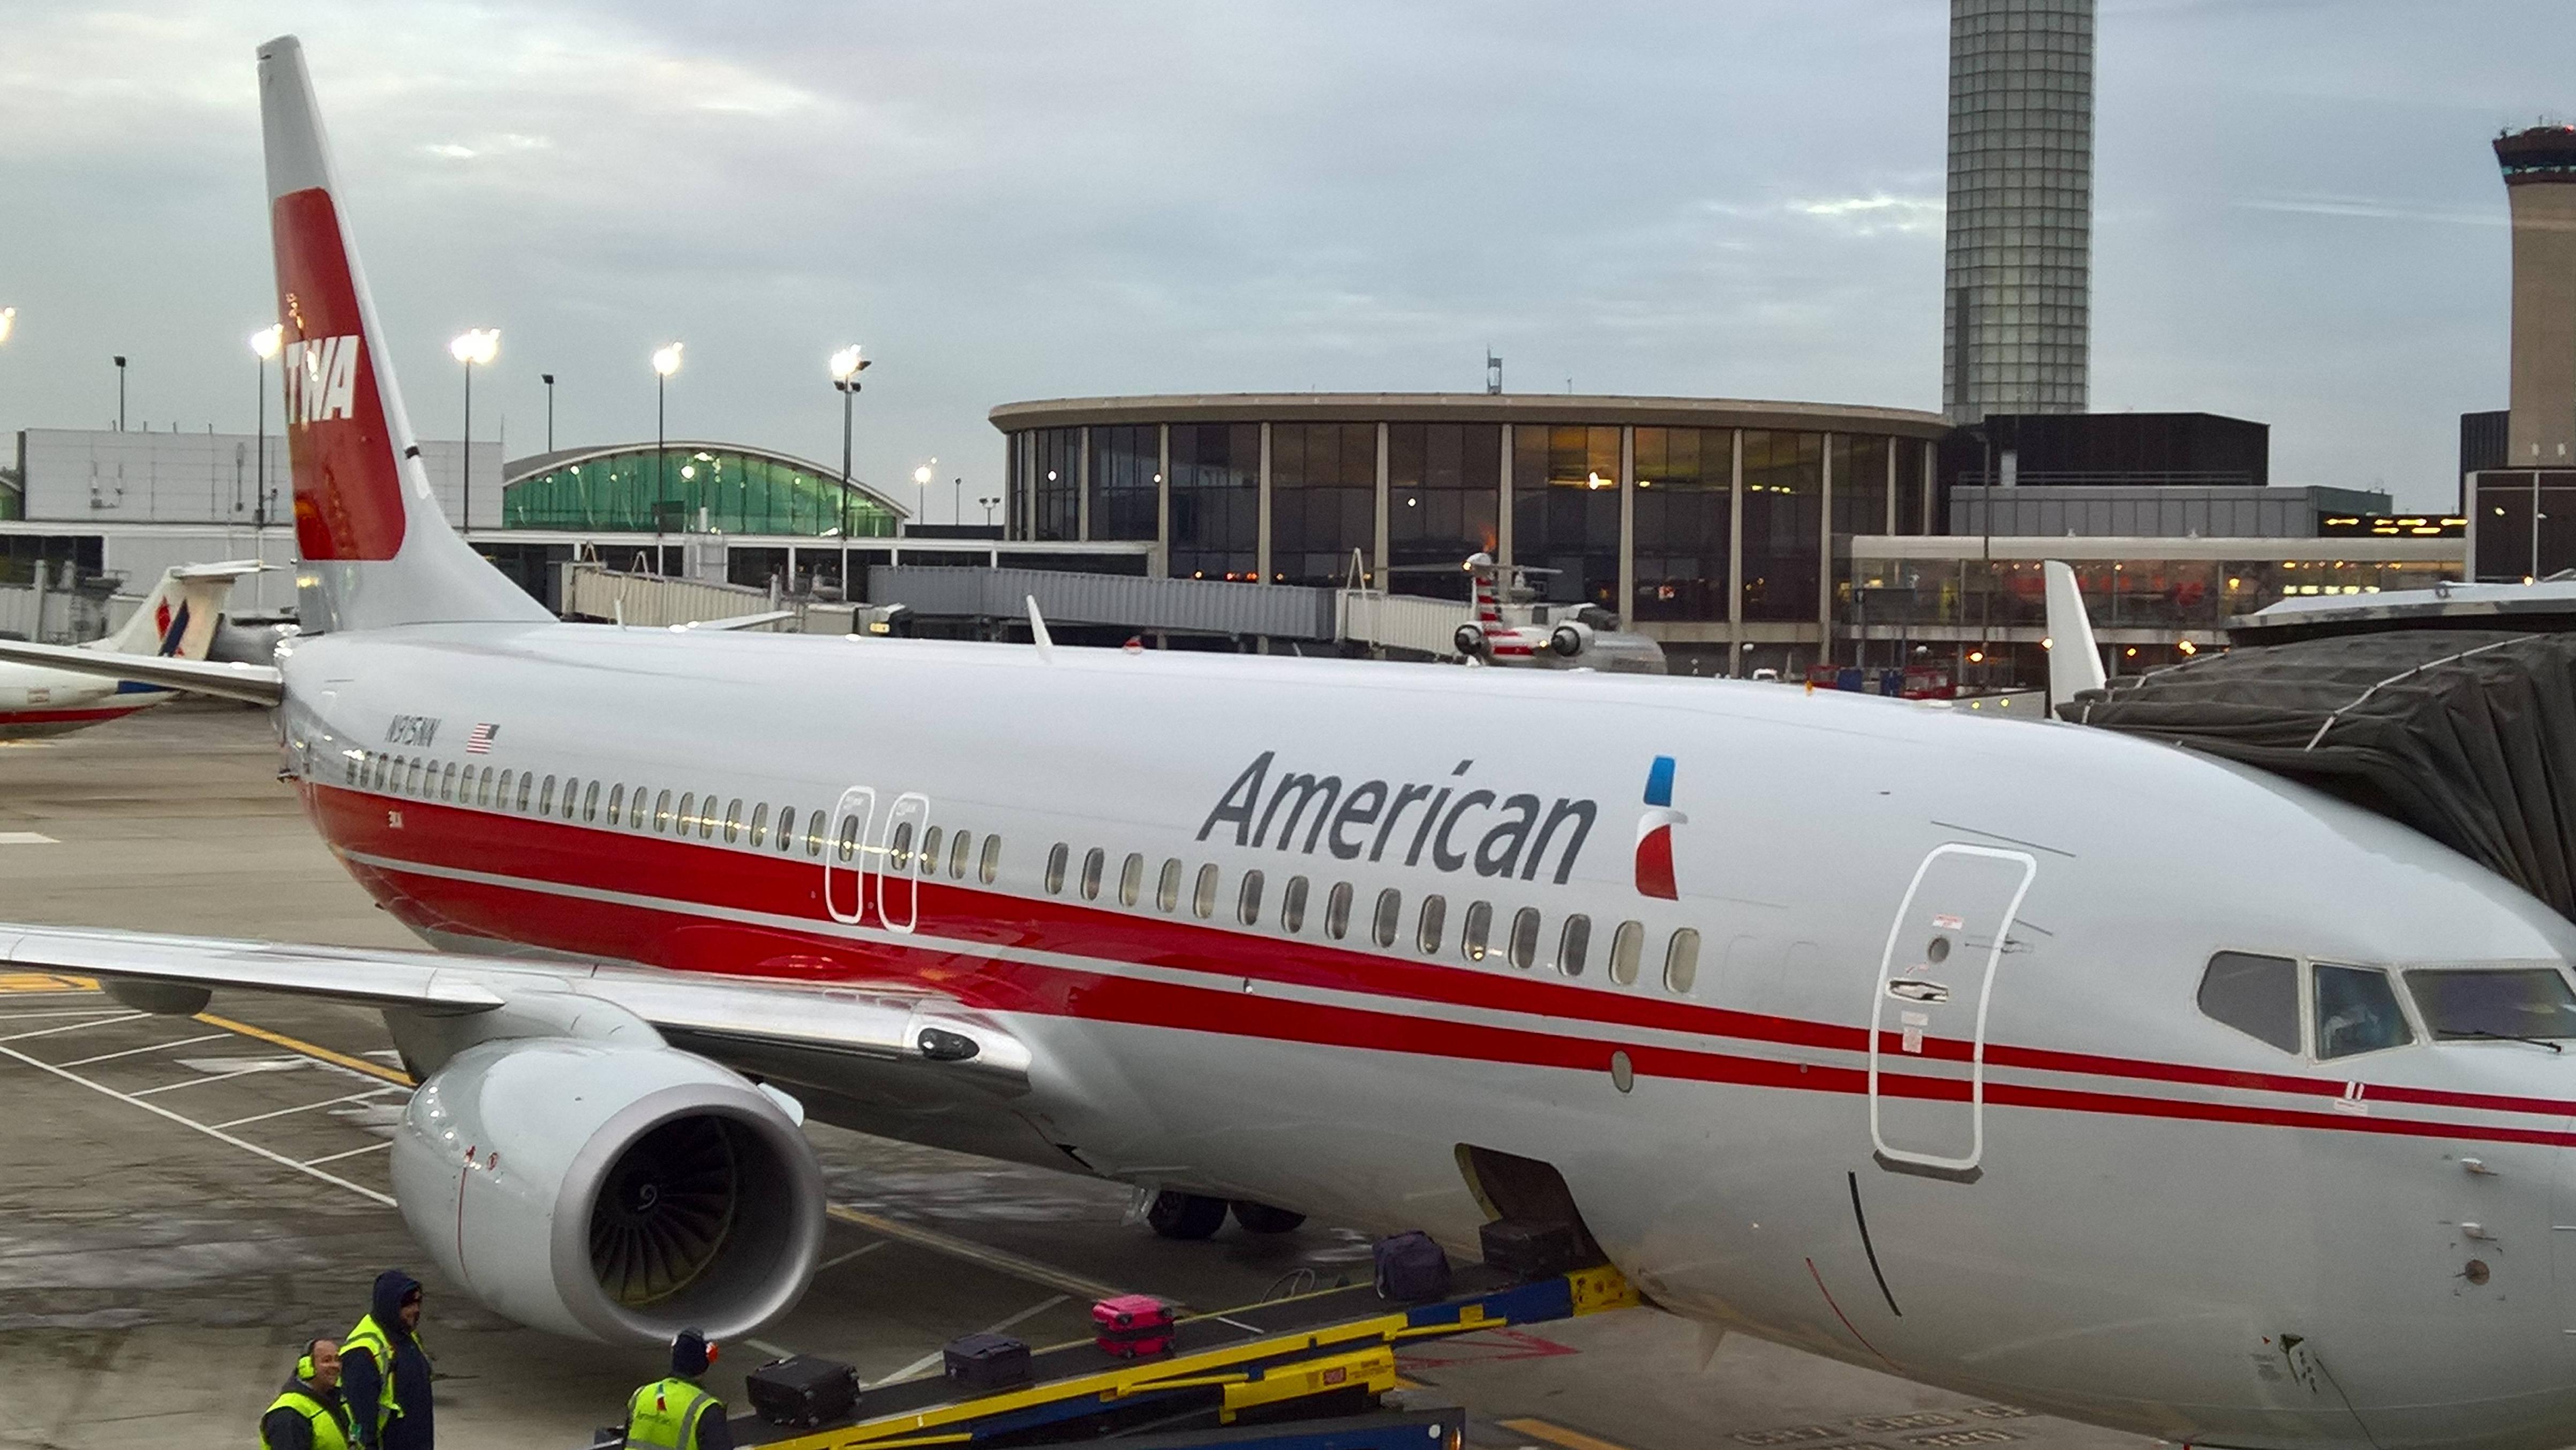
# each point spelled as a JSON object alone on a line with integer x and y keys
{"x": 1470, "y": 641}
{"x": 1570, "y": 640}
{"x": 610, "y": 1191}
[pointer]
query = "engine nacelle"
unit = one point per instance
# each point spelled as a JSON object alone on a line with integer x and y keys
{"x": 1470, "y": 641}
{"x": 610, "y": 1191}
{"x": 1570, "y": 640}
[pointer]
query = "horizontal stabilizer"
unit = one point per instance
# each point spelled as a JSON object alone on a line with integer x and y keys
{"x": 258, "y": 684}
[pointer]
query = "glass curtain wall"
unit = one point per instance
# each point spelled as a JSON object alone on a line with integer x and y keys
{"x": 1055, "y": 483}
{"x": 1323, "y": 501}
{"x": 1783, "y": 524}
{"x": 1216, "y": 500}
{"x": 1910, "y": 453}
{"x": 1860, "y": 502}
{"x": 1565, "y": 511}
{"x": 1443, "y": 483}
{"x": 646, "y": 489}
{"x": 1685, "y": 503}
{"x": 1125, "y": 472}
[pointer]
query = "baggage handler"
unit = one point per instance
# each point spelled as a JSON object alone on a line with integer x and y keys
{"x": 309, "y": 1413}
{"x": 386, "y": 1370}
{"x": 675, "y": 1413}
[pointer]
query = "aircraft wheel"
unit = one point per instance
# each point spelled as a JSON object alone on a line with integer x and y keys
{"x": 1185, "y": 1215}
{"x": 1261, "y": 1218}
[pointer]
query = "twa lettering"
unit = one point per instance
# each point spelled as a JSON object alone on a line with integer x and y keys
{"x": 321, "y": 379}
{"x": 1367, "y": 818}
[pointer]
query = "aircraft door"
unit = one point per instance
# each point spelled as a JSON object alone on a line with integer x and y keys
{"x": 898, "y": 886}
{"x": 846, "y": 853}
{"x": 1927, "y": 1041}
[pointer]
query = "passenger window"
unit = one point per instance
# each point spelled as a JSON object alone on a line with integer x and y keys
{"x": 2256, "y": 995}
{"x": 1681, "y": 961}
{"x": 759, "y": 825}
{"x": 376, "y": 771}
{"x": 931, "y": 841}
{"x": 1131, "y": 879}
{"x": 1203, "y": 896}
{"x": 815, "y": 824}
{"x": 1247, "y": 903}
{"x": 688, "y": 810}
{"x": 590, "y": 802}
{"x": 1524, "y": 942}
{"x": 733, "y": 820}
{"x": 483, "y": 791}
{"x": 1292, "y": 906}
{"x": 992, "y": 860}
{"x": 1573, "y": 944}
{"x": 616, "y": 801}
{"x": 411, "y": 778}
{"x": 663, "y": 816}
{"x": 707, "y": 817}
{"x": 957, "y": 854}
{"x": 1626, "y": 944}
{"x": 572, "y": 789}
{"x": 1478, "y": 926}
{"x": 1337, "y": 911}
{"x": 546, "y": 797}
{"x": 501, "y": 792}
{"x": 1167, "y": 891}
{"x": 846, "y": 845}
{"x": 447, "y": 782}
{"x": 1426, "y": 934}
{"x": 899, "y": 846}
{"x": 1390, "y": 913}
{"x": 1094, "y": 861}
{"x": 786, "y": 828}
{"x": 2357, "y": 1011}
{"x": 1055, "y": 868}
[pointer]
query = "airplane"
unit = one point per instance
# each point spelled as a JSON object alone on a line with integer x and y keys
{"x": 178, "y": 620}
{"x": 2044, "y": 1063}
{"x": 1560, "y": 636}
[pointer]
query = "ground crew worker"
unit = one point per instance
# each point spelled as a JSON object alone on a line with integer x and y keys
{"x": 674, "y": 1413}
{"x": 386, "y": 1372}
{"x": 309, "y": 1413}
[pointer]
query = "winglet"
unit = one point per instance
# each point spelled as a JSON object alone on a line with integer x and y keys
{"x": 1038, "y": 631}
{"x": 2074, "y": 662}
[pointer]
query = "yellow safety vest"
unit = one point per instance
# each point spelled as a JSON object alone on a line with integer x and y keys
{"x": 327, "y": 1431}
{"x": 370, "y": 1336}
{"x": 665, "y": 1414}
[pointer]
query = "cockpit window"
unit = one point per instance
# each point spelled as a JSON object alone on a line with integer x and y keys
{"x": 2529, "y": 1002}
{"x": 2258, "y": 996}
{"x": 2357, "y": 1012}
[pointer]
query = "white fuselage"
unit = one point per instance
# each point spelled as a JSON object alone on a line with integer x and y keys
{"x": 2064, "y": 1186}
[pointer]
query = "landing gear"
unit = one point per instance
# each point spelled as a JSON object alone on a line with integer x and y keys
{"x": 1185, "y": 1215}
{"x": 1261, "y": 1218}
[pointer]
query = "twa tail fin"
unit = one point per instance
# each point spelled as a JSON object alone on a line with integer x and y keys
{"x": 376, "y": 550}
{"x": 177, "y": 620}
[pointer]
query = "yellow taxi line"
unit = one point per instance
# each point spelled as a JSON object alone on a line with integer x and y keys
{"x": 1559, "y": 1435}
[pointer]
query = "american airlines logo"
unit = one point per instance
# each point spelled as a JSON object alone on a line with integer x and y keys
{"x": 1457, "y": 823}
{"x": 321, "y": 379}
{"x": 1655, "y": 834}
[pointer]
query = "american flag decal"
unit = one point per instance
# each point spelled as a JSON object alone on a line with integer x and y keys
{"x": 479, "y": 741}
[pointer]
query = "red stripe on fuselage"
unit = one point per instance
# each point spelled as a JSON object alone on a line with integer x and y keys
{"x": 953, "y": 918}
{"x": 70, "y": 717}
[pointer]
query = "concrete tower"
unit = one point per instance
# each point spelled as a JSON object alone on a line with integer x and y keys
{"x": 2015, "y": 326}
{"x": 2540, "y": 179}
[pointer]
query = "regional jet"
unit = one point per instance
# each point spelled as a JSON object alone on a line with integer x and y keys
{"x": 176, "y": 621}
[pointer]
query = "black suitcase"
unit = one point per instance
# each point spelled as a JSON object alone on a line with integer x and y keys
{"x": 1529, "y": 1249}
{"x": 985, "y": 1361}
{"x": 802, "y": 1392}
{"x": 1410, "y": 1267}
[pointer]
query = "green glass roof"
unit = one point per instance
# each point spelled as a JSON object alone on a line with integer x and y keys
{"x": 642, "y": 489}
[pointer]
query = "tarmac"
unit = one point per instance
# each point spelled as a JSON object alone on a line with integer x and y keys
{"x": 187, "y": 1199}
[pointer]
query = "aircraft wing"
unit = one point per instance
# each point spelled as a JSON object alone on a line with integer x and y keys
{"x": 258, "y": 684}
{"x": 742, "y": 621}
{"x": 826, "y": 1033}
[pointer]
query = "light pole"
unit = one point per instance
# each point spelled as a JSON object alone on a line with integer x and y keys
{"x": 263, "y": 346}
{"x": 846, "y": 366}
{"x": 988, "y": 509}
{"x": 920, "y": 487}
{"x": 120, "y": 392}
{"x": 475, "y": 345}
{"x": 957, "y": 501}
{"x": 549, "y": 379}
{"x": 666, "y": 361}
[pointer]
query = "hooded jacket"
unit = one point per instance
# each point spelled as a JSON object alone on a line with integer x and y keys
{"x": 362, "y": 1379}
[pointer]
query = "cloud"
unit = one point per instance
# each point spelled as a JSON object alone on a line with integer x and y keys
{"x": 1870, "y": 215}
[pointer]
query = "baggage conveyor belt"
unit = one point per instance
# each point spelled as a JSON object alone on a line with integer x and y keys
{"x": 1290, "y": 1374}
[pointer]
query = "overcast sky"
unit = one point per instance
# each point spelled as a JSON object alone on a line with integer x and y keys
{"x": 2297, "y": 216}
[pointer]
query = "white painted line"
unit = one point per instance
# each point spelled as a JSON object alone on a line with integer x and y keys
{"x": 927, "y": 1360}
{"x": 352, "y": 1153}
{"x": 74, "y": 1027}
{"x": 767, "y": 1348}
{"x": 27, "y": 838}
{"x": 63, "y": 1012}
{"x": 265, "y": 1065}
{"x": 308, "y": 1107}
{"x": 138, "y": 1051}
{"x": 156, "y": 1109}
{"x": 867, "y": 1248}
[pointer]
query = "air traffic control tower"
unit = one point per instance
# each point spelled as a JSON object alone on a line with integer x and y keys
{"x": 2015, "y": 312}
{"x": 2540, "y": 179}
